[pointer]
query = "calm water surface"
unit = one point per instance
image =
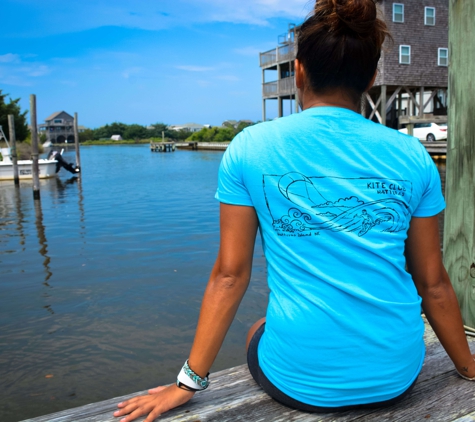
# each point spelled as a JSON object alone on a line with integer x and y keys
{"x": 101, "y": 281}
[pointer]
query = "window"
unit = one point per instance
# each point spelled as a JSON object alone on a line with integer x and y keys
{"x": 398, "y": 12}
{"x": 429, "y": 16}
{"x": 443, "y": 59}
{"x": 405, "y": 54}
{"x": 58, "y": 120}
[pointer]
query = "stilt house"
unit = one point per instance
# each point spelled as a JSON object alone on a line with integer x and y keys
{"x": 412, "y": 73}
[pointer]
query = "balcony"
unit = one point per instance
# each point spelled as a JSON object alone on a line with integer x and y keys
{"x": 284, "y": 53}
{"x": 281, "y": 88}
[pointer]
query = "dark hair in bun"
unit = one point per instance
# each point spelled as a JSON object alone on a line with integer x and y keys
{"x": 339, "y": 45}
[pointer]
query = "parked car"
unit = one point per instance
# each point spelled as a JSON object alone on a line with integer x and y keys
{"x": 429, "y": 132}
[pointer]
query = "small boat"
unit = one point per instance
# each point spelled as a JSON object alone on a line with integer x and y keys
{"x": 47, "y": 167}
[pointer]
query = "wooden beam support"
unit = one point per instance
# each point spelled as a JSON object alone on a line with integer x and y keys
{"x": 412, "y": 97}
{"x": 374, "y": 107}
{"x": 383, "y": 104}
{"x": 459, "y": 235}
{"x": 421, "y": 101}
{"x": 393, "y": 97}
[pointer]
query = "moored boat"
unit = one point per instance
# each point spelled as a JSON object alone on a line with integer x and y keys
{"x": 47, "y": 168}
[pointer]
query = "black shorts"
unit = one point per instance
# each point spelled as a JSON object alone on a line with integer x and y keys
{"x": 276, "y": 394}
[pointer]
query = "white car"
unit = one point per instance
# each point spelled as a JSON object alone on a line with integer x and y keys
{"x": 429, "y": 132}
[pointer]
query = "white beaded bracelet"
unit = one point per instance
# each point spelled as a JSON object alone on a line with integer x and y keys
{"x": 189, "y": 380}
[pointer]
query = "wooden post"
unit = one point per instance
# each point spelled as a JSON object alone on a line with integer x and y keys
{"x": 76, "y": 141}
{"x": 11, "y": 126}
{"x": 459, "y": 234}
{"x": 383, "y": 104}
{"x": 163, "y": 136}
{"x": 421, "y": 101}
{"x": 399, "y": 107}
{"x": 34, "y": 148}
{"x": 363, "y": 104}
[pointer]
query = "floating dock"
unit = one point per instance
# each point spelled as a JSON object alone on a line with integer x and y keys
{"x": 440, "y": 395}
{"x": 436, "y": 149}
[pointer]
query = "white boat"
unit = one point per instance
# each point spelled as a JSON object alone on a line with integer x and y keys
{"x": 47, "y": 168}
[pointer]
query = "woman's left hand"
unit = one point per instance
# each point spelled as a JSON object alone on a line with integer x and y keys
{"x": 159, "y": 400}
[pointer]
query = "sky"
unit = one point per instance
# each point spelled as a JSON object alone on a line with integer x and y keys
{"x": 142, "y": 61}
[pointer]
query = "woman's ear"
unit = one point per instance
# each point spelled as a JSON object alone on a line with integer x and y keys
{"x": 299, "y": 74}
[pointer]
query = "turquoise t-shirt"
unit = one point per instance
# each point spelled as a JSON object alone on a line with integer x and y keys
{"x": 334, "y": 194}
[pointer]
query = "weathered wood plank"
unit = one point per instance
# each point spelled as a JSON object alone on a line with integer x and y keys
{"x": 234, "y": 396}
{"x": 459, "y": 236}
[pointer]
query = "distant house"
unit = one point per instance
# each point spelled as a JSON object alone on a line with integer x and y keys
{"x": 236, "y": 123}
{"x": 190, "y": 127}
{"x": 58, "y": 128}
{"x": 116, "y": 138}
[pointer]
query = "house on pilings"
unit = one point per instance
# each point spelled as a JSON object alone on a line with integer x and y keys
{"x": 59, "y": 128}
{"x": 412, "y": 73}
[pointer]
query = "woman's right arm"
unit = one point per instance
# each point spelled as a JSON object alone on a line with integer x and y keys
{"x": 424, "y": 261}
{"x": 226, "y": 287}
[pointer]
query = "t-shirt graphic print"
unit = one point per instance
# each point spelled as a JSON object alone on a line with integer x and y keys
{"x": 302, "y": 205}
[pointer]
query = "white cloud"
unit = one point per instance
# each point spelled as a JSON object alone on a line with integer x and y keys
{"x": 15, "y": 71}
{"x": 248, "y": 51}
{"x": 229, "y": 78}
{"x": 127, "y": 73}
{"x": 9, "y": 58}
{"x": 195, "y": 68}
{"x": 156, "y": 15}
{"x": 258, "y": 12}
{"x": 35, "y": 70}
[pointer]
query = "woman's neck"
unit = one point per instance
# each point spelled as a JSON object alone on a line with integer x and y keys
{"x": 333, "y": 99}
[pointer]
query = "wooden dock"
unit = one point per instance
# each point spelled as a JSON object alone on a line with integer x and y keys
{"x": 200, "y": 146}
{"x": 440, "y": 395}
{"x": 162, "y": 146}
{"x": 436, "y": 149}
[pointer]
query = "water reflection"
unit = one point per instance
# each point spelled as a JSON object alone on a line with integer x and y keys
{"x": 40, "y": 230}
{"x": 20, "y": 216}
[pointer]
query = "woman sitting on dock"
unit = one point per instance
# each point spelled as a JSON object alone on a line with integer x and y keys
{"x": 344, "y": 206}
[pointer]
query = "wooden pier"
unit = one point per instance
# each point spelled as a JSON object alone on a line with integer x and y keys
{"x": 162, "y": 146}
{"x": 440, "y": 395}
{"x": 437, "y": 149}
{"x": 203, "y": 146}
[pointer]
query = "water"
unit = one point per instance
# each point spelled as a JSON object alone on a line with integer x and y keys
{"x": 101, "y": 282}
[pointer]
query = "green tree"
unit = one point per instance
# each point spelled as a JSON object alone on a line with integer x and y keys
{"x": 21, "y": 125}
{"x": 136, "y": 132}
{"x": 86, "y": 135}
{"x": 214, "y": 134}
{"x": 242, "y": 125}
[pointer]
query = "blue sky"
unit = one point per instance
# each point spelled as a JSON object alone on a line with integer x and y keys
{"x": 141, "y": 61}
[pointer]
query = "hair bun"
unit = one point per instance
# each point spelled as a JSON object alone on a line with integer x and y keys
{"x": 356, "y": 16}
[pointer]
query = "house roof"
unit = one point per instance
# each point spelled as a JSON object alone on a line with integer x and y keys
{"x": 56, "y": 114}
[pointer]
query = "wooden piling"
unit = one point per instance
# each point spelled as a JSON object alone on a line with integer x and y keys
{"x": 76, "y": 141}
{"x": 34, "y": 148}
{"x": 459, "y": 233}
{"x": 13, "y": 153}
